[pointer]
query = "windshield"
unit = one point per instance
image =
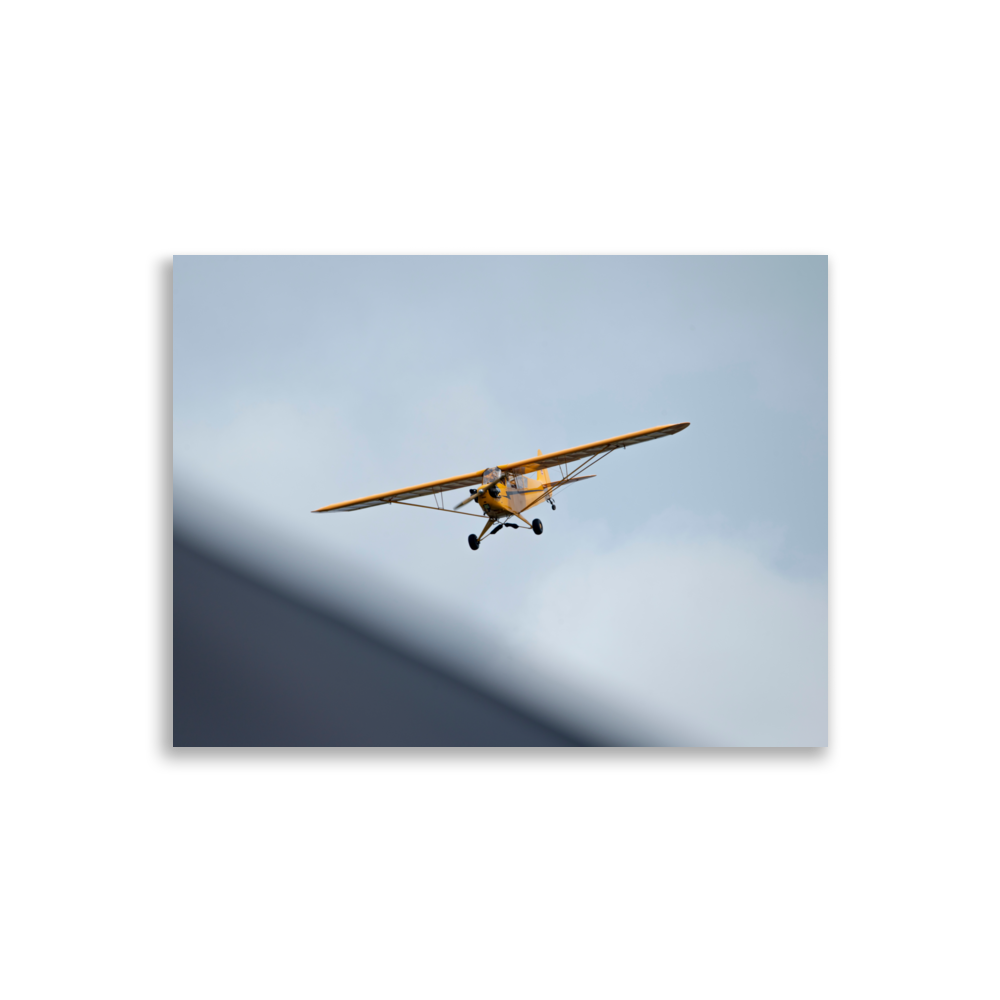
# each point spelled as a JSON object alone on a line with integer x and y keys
{"x": 491, "y": 476}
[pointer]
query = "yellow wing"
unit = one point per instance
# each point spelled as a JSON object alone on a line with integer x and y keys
{"x": 553, "y": 458}
{"x": 570, "y": 455}
{"x": 410, "y": 493}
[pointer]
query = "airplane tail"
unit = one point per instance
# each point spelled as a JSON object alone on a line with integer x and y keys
{"x": 542, "y": 475}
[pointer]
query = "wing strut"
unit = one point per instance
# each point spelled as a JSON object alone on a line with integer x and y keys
{"x": 572, "y": 477}
{"x": 406, "y": 503}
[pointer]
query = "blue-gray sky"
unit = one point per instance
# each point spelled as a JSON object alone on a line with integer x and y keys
{"x": 687, "y": 582}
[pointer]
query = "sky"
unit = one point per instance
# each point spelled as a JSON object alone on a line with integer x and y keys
{"x": 686, "y": 584}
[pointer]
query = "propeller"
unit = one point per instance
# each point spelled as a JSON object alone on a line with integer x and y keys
{"x": 545, "y": 488}
{"x": 481, "y": 491}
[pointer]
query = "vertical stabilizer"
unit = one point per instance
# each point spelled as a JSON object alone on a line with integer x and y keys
{"x": 543, "y": 474}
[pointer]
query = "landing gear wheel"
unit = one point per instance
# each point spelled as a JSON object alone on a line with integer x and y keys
{"x": 536, "y": 526}
{"x": 473, "y": 542}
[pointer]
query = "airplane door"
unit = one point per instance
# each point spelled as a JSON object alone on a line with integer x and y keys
{"x": 518, "y": 500}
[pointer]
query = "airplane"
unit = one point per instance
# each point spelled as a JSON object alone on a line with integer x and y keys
{"x": 505, "y": 492}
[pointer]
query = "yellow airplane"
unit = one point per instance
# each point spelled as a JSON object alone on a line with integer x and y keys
{"x": 505, "y": 491}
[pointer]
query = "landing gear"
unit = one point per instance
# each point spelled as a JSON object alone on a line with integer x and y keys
{"x": 474, "y": 540}
{"x": 492, "y": 528}
{"x": 551, "y": 504}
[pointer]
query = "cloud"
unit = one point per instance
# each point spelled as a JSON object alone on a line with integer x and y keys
{"x": 696, "y": 628}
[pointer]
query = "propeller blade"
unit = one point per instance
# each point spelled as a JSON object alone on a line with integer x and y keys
{"x": 499, "y": 482}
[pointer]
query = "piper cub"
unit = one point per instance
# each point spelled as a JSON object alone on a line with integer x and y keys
{"x": 505, "y": 492}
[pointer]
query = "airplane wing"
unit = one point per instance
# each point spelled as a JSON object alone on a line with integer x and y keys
{"x": 570, "y": 455}
{"x": 410, "y": 493}
{"x": 518, "y": 468}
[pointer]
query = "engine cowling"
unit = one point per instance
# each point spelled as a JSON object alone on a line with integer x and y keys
{"x": 492, "y": 478}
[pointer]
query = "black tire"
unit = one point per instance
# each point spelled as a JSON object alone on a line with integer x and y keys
{"x": 473, "y": 542}
{"x": 536, "y": 526}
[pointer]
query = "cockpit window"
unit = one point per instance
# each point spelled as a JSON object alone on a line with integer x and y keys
{"x": 491, "y": 476}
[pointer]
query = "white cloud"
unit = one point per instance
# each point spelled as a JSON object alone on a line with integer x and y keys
{"x": 698, "y": 629}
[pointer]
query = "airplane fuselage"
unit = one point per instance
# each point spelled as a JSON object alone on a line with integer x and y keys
{"x": 513, "y": 496}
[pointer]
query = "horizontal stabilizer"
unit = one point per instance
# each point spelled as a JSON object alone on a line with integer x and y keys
{"x": 552, "y": 485}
